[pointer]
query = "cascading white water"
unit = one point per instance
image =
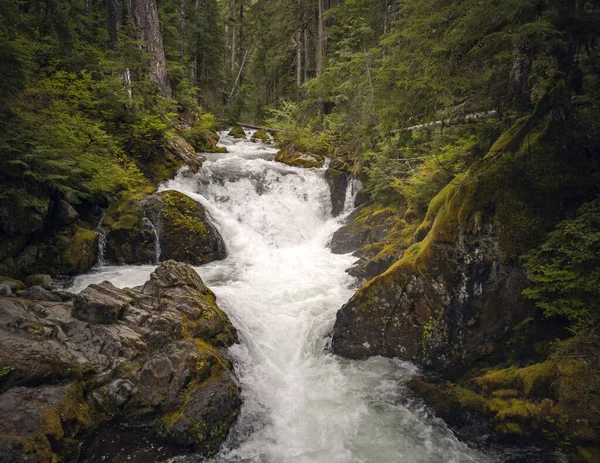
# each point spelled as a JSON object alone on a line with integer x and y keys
{"x": 282, "y": 287}
{"x": 102, "y": 232}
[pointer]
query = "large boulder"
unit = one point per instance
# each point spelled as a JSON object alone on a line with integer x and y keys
{"x": 65, "y": 214}
{"x": 185, "y": 232}
{"x": 39, "y": 279}
{"x": 292, "y": 156}
{"x": 338, "y": 177}
{"x": 456, "y": 293}
{"x": 179, "y": 223}
{"x": 148, "y": 356}
{"x": 101, "y": 303}
{"x": 237, "y": 131}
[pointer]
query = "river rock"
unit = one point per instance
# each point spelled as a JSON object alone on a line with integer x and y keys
{"x": 338, "y": 178}
{"x": 39, "y": 293}
{"x": 262, "y": 135}
{"x": 39, "y": 279}
{"x": 101, "y": 303}
{"x": 66, "y": 215}
{"x": 158, "y": 363}
{"x": 237, "y": 131}
{"x": 292, "y": 156}
{"x": 181, "y": 225}
{"x": 185, "y": 232}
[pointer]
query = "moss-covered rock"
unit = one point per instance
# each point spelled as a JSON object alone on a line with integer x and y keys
{"x": 260, "y": 134}
{"x": 205, "y": 141}
{"x": 555, "y": 402}
{"x": 456, "y": 293}
{"x": 76, "y": 250}
{"x": 291, "y": 156}
{"x": 237, "y": 131}
{"x": 130, "y": 238}
{"x": 158, "y": 361}
{"x": 185, "y": 233}
{"x": 180, "y": 223}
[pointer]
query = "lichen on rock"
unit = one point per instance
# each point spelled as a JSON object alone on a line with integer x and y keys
{"x": 149, "y": 355}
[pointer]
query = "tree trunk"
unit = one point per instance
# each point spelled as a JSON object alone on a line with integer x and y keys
{"x": 145, "y": 19}
{"x": 298, "y": 59}
{"x": 181, "y": 30}
{"x": 233, "y": 48}
{"x": 306, "y": 54}
{"x": 113, "y": 16}
{"x": 320, "y": 39}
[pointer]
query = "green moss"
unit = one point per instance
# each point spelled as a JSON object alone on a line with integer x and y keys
{"x": 76, "y": 249}
{"x": 261, "y": 134}
{"x": 183, "y": 213}
{"x": 237, "y": 131}
{"x": 295, "y": 158}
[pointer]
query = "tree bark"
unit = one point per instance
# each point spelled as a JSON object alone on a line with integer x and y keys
{"x": 181, "y": 30}
{"x": 113, "y": 16}
{"x": 320, "y": 38}
{"x": 145, "y": 19}
{"x": 298, "y": 59}
{"x": 306, "y": 54}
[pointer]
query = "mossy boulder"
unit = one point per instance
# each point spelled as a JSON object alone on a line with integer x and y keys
{"x": 554, "y": 403}
{"x": 456, "y": 293}
{"x": 186, "y": 235}
{"x": 130, "y": 235}
{"x": 260, "y": 135}
{"x": 291, "y": 156}
{"x": 205, "y": 141}
{"x": 237, "y": 131}
{"x": 76, "y": 250}
{"x": 157, "y": 361}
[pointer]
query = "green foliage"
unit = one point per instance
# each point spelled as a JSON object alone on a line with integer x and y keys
{"x": 304, "y": 136}
{"x": 565, "y": 270}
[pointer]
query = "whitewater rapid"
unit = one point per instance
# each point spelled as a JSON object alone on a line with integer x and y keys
{"x": 281, "y": 286}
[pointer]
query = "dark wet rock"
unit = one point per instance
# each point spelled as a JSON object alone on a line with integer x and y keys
{"x": 365, "y": 268}
{"x": 362, "y": 197}
{"x": 338, "y": 177}
{"x": 101, "y": 303}
{"x": 180, "y": 223}
{"x": 185, "y": 232}
{"x": 158, "y": 362}
{"x": 39, "y": 293}
{"x": 39, "y": 279}
{"x": 66, "y": 214}
{"x": 64, "y": 295}
{"x": 292, "y": 156}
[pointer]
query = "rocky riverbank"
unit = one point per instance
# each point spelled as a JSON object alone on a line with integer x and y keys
{"x": 151, "y": 355}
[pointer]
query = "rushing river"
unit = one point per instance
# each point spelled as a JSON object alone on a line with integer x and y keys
{"x": 282, "y": 286}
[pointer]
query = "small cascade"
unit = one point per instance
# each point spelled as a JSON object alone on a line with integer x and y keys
{"x": 102, "y": 233}
{"x": 156, "y": 241}
{"x": 354, "y": 186}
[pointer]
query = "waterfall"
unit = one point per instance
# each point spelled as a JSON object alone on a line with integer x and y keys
{"x": 281, "y": 286}
{"x": 156, "y": 241}
{"x": 354, "y": 186}
{"x": 102, "y": 233}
